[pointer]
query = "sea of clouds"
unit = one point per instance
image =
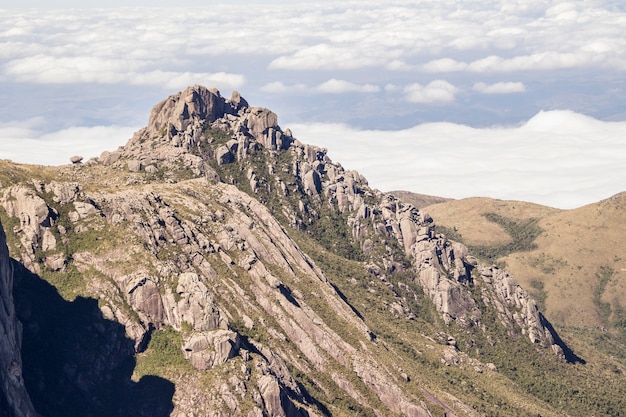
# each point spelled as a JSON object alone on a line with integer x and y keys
{"x": 508, "y": 99}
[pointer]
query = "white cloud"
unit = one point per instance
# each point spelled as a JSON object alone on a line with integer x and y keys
{"x": 499, "y": 88}
{"x": 565, "y": 10}
{"x": 444, "y": 65}
{"x": 438, "y": 91}
{"x": 558, "y": 158}
{"x": 278, "y": 87}
{"x": 534, "y": 62}
{"x": 398, "y": 65}
{"x": 61, "y": 70}
{"x": 392, "y": 88}
{"x": 334, "y": 86}
{"x": 468, "y": 43}
{"x": 179, "y": 80}
{"x": 45, "y": 69}
{"x": 326, "y": 56}
{"x": 25, "y": 143}
{"x": 591, "y": 54}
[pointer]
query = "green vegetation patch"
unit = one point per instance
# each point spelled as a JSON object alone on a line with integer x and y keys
{"x": 69, "y": 284}
{"x": 603, "y": 276}
{"x": 216, "y": 136}
{"x": 9, "y": 224}
{"x": 523, "y": 235}
{"x": 538, "y": 292}
{"x": 612, "y": 316}
{"x": 331, "y": 230}
{"x": 547, "y": 263}
{"x": 163, "y": 355}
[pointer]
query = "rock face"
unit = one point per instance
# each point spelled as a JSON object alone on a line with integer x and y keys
{"x": 13, "y": 394}
{"x": 188, "y": 230}
{"x": 209, "y": 349}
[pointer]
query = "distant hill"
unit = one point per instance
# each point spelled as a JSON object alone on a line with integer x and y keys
{"x": 418, "y": 200}
{"x": 576, "y": 263}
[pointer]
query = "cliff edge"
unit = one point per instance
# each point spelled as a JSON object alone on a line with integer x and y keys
{"x": 13, "y": 397}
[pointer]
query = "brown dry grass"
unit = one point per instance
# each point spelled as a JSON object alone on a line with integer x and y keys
{"x": 572, "y": 248}
{"x": 418, "y": 200}
{"x": 467, "y": 217}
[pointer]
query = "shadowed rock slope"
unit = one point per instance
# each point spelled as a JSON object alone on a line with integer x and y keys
{"x": 14, "y": 400}
{"x": 261, "y": 278}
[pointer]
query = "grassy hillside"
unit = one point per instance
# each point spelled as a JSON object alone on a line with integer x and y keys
{"x": 419, "y": 200}
{"x": 573, "y": 261}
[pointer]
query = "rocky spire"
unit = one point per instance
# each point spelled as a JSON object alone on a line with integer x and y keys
{"x": 182, "y": 129}
{"x": 194, "y": 104}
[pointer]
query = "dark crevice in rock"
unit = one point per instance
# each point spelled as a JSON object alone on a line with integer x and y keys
{"x": 287, "y": 394}
{"x": 145, "y": 340}
{"x": 345, "y": 300}
{"x": 286, "y": 292}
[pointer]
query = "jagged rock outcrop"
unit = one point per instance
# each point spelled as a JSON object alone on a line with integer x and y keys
{"x": 515, "y": 306}
{"x": 195, "y": 104}
{"x": 208, "y": 349}
{"x": 35, "y": 217}
{"x": 13, "y": 394}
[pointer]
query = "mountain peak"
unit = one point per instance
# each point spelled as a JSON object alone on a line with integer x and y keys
{"x": 197, "y": 128}
{"x": 197, "y": 107}
{"x": 194, "y": 104}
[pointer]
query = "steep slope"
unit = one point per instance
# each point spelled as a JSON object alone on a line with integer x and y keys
{"x": 14, "y": 400}
{"x": 261, "y": 278}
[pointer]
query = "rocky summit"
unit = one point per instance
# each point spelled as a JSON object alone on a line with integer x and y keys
{"x": 216, "y": 265}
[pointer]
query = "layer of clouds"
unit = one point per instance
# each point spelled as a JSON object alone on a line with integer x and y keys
{"x": 558, "y": 158}
{"x": 26, "y": 143}
{"x": 497, "y": 36}
{"x": 430, "y": 36}
{"x": 368, "y": 64}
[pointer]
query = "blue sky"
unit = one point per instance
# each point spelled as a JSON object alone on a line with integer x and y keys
{"x": 509, "y": 99}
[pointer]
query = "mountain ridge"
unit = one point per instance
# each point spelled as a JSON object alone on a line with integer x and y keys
{"x": 230, "y": 251}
